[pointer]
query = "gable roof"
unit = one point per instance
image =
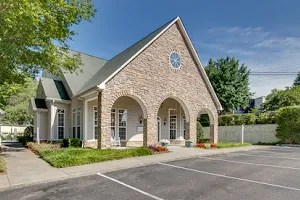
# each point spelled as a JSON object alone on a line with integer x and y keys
{"x": 116, "y": 64}
{"x": 54, "y": 89}
{"x": 90, "y": 66}
{"x": 119, "y": 60}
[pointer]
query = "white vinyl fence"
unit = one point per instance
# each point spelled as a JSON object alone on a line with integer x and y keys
{"x": 9, "y": 133}
{"x": 252, "y": 133}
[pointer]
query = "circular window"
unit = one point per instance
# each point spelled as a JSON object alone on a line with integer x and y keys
{"x": 175, "y": 60}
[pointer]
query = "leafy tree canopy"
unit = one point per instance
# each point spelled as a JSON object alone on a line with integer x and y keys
{"x": 28, "y": 30}
{"x": 230, "y": 81}
{"x": 297, "y": 80}
{"x": 16, "y": 106}
{"x": 282, "y": 98}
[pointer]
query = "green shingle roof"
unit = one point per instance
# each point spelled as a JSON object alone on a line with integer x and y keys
{"x": 76, "y": 80}
{"x": 54, "y": 89}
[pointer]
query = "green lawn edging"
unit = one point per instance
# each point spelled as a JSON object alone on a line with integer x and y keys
{"x": 232, "y": 144}
{"x": 67, "y": 157}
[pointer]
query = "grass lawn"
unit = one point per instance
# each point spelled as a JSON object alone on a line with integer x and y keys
{"x": 66, "y": 157}
{"x": 2, "y": 164}
{"x": 232, "y": 144}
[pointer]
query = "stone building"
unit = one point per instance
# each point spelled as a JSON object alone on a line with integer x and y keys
{"x": 152, "y": 91}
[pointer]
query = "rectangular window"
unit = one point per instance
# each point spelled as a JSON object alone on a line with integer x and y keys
{"x": 61, "y": 123}
{"x": 76, "y": 122}
{"x": 173, "y": 124}
{"x": 113, "y": 123}
{"x": 184, "y": 127}
{"x": 118, "y": 124}
{"x": 122, "y": 123}
{"x": 95, "y": 122}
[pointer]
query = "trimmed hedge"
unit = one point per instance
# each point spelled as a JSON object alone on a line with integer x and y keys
{"x": 71, "y": 142}
{"x": 247, "y": 119}
{"x": 288, "y": 121}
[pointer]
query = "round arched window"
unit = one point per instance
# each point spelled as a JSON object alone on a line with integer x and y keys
{"x": 175, "y": 60}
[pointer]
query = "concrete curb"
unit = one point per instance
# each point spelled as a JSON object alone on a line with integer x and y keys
{"x": 90, "y": 173}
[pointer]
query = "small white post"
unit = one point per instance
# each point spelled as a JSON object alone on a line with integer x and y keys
{"x": 243, "y": 129}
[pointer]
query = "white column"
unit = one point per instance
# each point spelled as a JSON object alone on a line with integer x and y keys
{"x": 85, "y": 120}
{"x": 52, "y": 117}
{"x": 38, "y": 119}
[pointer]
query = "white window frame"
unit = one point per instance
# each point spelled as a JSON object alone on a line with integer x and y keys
{"x": 159, "y": 128}
{"x": 76, "y": 110}
{"x": 58, "y": 126}
{"x": 116, "y": 119}
{"x": 184, "y": 126}
{"x": 118, "y": 125}
{"x": 169, "y": 113}
{"x": 94, "y": 125}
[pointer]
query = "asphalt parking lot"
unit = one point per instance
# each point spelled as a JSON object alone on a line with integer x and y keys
{"x": 272, "y": 173}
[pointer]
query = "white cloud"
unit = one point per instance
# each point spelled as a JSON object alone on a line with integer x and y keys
{"x": 260, "y": 50}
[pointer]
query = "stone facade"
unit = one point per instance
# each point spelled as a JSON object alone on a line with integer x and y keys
{"x": 150, "y": 79}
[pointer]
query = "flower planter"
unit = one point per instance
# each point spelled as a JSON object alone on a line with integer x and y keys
{"x": 164, "y": 144}
{"x": 189, "y": 144}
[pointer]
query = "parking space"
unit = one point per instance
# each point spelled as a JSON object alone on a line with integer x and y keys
{"x": 272, "y": 173}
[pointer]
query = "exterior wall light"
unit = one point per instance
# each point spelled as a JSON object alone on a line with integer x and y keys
{"x": 141, "y": 119}
{"x": 165, "y": 121}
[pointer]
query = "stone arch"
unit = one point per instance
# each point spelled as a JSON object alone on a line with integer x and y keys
{"x": 181, "y": 102}
{"x": 132, "y": 95}
{"x": 209, "y": 112}
{"x": 213, "y": 123}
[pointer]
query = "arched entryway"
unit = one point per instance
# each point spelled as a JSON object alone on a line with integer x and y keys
{"x": 207, "y": 125}
{"x": 127, "y": 116}
{"x": 172, "y": 120}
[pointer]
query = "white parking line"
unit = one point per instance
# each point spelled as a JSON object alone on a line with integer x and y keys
{"x": 230, "y": 177}
{"x": 256, "y": 164}
{"x": 131, "y": 187}
{"x": 243, "y": 154}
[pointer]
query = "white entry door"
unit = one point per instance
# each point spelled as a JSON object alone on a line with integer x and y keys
{"x": 158, "y": 128}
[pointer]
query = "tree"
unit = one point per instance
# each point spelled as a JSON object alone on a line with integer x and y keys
{"x": 282, "y": 98}
{"x": 288, "y": 124}
{"x": 16, "y": 108}
{"x": 230, "y": 81}
{"x": 29, "y": 31}
{"x": 297, "y": 80}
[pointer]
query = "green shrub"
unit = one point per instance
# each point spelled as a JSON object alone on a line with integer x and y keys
{"x": 142, "y": 151}
{"x": 28, "y": 131}
{"x": 288, "y": 121}
{"x": 268, "y": 143}
{"x": 247, "y": 119}
{"x": 24, "y": 139}
{"x": 203, "y": 140}
{"x": 226, "y": 120}
{"x": 200, "y": 133}
{"x": 71, "y": 142}
{"x": 204, "y": 120}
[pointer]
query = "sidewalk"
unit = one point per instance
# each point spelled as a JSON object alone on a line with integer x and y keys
{"x": 25, "y": 168}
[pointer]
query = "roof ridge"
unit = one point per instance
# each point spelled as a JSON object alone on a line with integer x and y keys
{"x": 112, "y": 65}
{"x": 142, "y": 39}
{"x": 87, "y": 54}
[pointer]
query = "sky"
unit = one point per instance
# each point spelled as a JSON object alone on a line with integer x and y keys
{"x": 264, "y": 34}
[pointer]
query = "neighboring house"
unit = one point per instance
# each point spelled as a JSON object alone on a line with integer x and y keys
{"x": 153, "y": 90}
{"x": 256, "y": 103}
